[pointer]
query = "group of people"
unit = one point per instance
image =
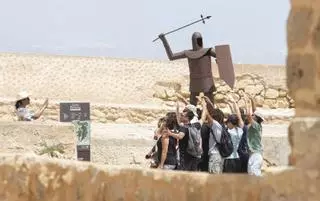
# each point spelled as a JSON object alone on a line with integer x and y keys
{"x": 197, "y": 138}
{"x": 201, "y": 138}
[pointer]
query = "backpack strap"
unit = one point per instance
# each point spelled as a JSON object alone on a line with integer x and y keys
{"x": 214, "y": 137}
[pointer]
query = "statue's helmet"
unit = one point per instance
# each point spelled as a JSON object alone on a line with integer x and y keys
{"x": 197, "y": 42}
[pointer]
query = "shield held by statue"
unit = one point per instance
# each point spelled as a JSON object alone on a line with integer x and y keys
{"x": 225, "y": 64}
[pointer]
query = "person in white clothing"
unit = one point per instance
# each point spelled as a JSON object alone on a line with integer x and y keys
{"x": 235, "y": 125}
{"x": 23, "y": 113}
{"x": 232, "y": 163}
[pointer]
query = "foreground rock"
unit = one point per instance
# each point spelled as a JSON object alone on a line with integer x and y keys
{"x": 29, "y": 178}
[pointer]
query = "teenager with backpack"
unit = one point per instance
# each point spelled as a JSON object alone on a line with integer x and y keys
{"x": 235, "y": 124}
{"x": 215, "y": 120}
{"x": 190, "y": 142}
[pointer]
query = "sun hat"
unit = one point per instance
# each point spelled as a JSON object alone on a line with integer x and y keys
{"x": 22, "y": 95}
{"x": 259, "y": 115}
{"x": 193, "y": 109}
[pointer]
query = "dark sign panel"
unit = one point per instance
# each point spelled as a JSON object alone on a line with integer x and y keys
{"x": 83, "y": 153}
{"x": 74, "y": 111}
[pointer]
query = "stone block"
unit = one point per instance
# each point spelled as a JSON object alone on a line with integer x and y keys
{"x": 276, "y": 148}
{"x": 271, "y": 93}
{"x": 304, "y": 140}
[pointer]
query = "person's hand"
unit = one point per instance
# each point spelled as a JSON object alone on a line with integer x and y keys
{"x": 200, "y": 97}
{"x": 230, "y": 97}
{"x": 179, "y": 96}
{"x": 160, "y": 167}
{"x": 203, "y": 103}
{"x": 206, "y": 99}
{"x": 161, "y": 36}
{"x": 243, "y": 94}
{"x": 46, "y": 102}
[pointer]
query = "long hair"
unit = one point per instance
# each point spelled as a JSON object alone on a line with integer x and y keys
{"x": 18, "y": 104}
{"x": 171, "y": 120}
{"x": 161, "y": 121}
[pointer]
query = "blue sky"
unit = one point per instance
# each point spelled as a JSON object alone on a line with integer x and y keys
{"x": 255, "y": 29}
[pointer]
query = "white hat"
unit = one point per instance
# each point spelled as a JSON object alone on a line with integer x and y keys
{"x": 260, "y": 115}
{"x": 193, "y": 109}
{"x": 22, "y": 95}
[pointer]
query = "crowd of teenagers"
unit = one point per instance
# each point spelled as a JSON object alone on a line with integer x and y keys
{"x": 202, "y": 138}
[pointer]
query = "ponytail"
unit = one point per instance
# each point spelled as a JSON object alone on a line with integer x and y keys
{"x": 18, "y": 104}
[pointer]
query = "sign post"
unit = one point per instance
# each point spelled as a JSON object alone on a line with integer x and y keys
{"x": 79, "y": 114}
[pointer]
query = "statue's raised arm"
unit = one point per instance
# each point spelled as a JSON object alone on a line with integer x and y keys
{"x": 171, "y": 56}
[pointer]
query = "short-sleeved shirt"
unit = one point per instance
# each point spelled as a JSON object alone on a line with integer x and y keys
{"x": 235, "y": 134}
{"x": 24, "y": 114}
{"x": 216, "y": 131}
{"x": 254, "y": 137}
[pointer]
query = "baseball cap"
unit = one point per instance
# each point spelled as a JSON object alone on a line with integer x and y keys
{"x": 192, "y": 108}
{"x": 259, "y": 115}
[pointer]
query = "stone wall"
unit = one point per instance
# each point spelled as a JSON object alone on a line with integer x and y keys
{"x": 265, "y": 94}
{"x": 104, "y": 80}
{"x": 303, "y": 80}
{"x": 26, "y": 178}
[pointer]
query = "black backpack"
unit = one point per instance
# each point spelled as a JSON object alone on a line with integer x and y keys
{"x": 225, "y": 146}
{"x": 243, "y": 149}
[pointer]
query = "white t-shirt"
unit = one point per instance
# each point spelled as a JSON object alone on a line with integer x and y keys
{"x": 236, "y": 134}
{"x": 24, "y": 114}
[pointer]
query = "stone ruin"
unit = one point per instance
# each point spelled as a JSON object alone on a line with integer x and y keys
{"x": 30, "y": 178}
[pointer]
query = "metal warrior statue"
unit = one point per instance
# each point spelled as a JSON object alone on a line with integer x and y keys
{"x": 199, "y": 60}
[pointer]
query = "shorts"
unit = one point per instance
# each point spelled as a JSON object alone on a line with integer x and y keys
{"x": 215, "y": 163}
{"x": 255, "y": 164}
